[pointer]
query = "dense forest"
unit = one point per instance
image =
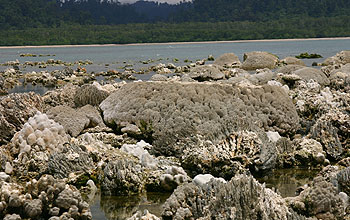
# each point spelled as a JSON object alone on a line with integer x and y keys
{"x": 36, "y": 22}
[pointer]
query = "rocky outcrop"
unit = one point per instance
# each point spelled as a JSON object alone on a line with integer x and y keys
{"x": 320, "y": 199}
{"x": 241, "y": 149}
{"x": 71, "y": 159}
{"x": 15, "y": 110}
{"x": 342, "y": 57}
{"x": 176, "y": 116}
{"x": 259, "y": 60}
{"x": 217, "y": 199}
{"x": 61, "y": 96}
{"x": 340, "y": 77}
{"x": 228, "y": 60}
{"x": 207, "y": 73}
{"x": 333, "y": 130}
{"x": 47, "y": 198}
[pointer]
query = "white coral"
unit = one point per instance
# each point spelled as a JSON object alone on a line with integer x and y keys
{"x": 42, "y": 133}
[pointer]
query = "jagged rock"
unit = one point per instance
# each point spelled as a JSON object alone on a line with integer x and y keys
{"x": 343, "y": 180}
{"x": 207, "y": 73}
{"x": 180, "y": 115}
{"x": 89, "y": 95}
{"x": 123, "y": 177}
{"x": 308, "y": 73}
{"x": 61, "y": 74}
{"x": 342, "y": 57}
{"x": 259, "y": 60}
{"x": 3, "y": 90}
{"x": 61, "y": 96}
{"x": 228, "y": 60}
{"x": 308, "y": 152}
{"x": 340, "y": 78}
{"x": 15, "y": 110}
{"x": 217, "y": 199}
{"x": 237, "y": 72}
{"x": 72, "y": 159}
{"x": 332, "y": 131}
{"x": 250, "y": 149}
{"x": 292, "y": 61}
{"x": 320, "y": 199}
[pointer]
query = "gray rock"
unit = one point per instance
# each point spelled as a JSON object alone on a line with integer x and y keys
{"x": 259, "y": 60}
{"x": 342, "y": 57}
{"x": 15, "y": 110}
{"x": 219, "y": 200}
{"x": 131, "y": 130}
{"x": 67, "y": 198}
{"x": 320, "y": 199}
{"x": 71, "y": 160}
{"x": 4, "y": 177}
{"x": 262, "y": 76}
{"x": 332, "y": 131}
{"x": 61, "y": 96}
{"x": 179, "y": 115}
{"x": 159, "y": 77}
{"x": 292, "y": 61}
{"x": 55, "y": 211}
{"x": 340, "y": 78}
{"x": 122, "y": 177}
{"x": 228, "y": 60}
{"x": 33, "y": 208}
{"x": 288, "y": 69}
{"x": 12, "y": 217}
{"x": 75, "y": 121}
{"x": 308, "y": 73}
{"x": 207, "y": 73}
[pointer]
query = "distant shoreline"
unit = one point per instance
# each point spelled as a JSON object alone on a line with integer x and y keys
{"x": 177, "y": 43}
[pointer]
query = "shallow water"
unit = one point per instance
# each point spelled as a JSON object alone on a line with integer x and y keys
{"x": 123, "y": 207}
{"x": 285, "y": 181}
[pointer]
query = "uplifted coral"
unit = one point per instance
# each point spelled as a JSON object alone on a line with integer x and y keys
{"x": 39, "y": 134}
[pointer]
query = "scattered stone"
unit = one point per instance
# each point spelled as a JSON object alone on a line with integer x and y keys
{"x": 228, "y": 60}
{"x": 259, "y": 60}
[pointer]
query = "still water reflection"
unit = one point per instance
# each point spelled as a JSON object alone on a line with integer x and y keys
{"x": 123, "y": 207}
{"x": 287, "y": 181}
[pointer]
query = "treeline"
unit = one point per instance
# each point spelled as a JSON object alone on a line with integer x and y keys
{"x": 307, "y": 27}
{"x": 36, "y": 22}
{"x": 21, "y": 14}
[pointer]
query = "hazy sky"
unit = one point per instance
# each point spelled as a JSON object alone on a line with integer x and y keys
{"x": 162, "y": 1}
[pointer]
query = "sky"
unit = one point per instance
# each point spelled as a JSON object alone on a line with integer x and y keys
{"x": 161, "y": 1}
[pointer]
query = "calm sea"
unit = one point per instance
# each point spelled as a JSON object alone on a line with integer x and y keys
{"x": 192, "y": 51}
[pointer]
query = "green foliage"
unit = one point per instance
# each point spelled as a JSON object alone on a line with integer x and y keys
{"x": 308, "y": 56}
{"x": 307, "y": 27}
